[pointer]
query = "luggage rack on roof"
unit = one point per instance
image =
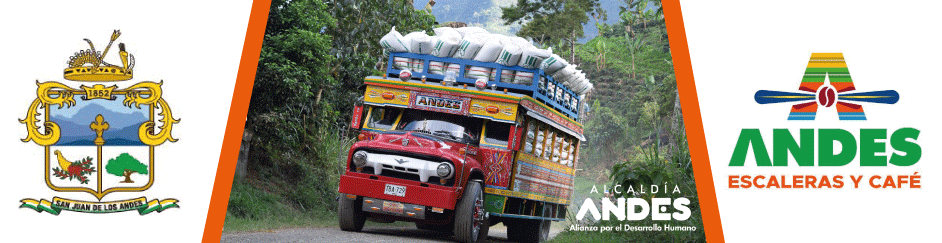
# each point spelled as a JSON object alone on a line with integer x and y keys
{"x": 542, "y": 87}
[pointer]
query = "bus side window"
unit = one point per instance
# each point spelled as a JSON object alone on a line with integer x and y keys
{"x": 557, "y": 147}
{"x": 569, "y": 146}
{"x": 564, "y": 150}
{"x": 548, "y": 147}
{"x": 572, "y": 152}
{"x": 531, "y": 135}
{"x": 382, "y": 117}
{"x": 540, "y": 140}
{"x": 496, "y": 133}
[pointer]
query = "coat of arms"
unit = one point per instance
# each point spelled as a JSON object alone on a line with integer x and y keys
{"x": 99, "y": 138}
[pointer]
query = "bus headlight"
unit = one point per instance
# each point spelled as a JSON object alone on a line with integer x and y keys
{"x": 445, "y": 171}
{"x": 359, "y": 158}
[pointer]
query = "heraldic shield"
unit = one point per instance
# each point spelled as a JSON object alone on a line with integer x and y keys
{"x": 99, "y": 138}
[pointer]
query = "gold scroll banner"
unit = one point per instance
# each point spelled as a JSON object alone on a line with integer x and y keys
{"x": 57, "y": 205}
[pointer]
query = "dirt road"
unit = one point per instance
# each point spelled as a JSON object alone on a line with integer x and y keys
{"x": 372, "y": 234}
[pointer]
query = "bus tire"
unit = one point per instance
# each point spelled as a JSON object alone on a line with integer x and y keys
{"x": 528, "y": 230}
{"x": 471, "y": 223}
{"x": 351, "y": 217}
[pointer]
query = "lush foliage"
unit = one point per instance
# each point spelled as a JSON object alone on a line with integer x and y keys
{"x": 556, "y": 23}
{"x": 314, "y": 56}
{"x": 634, "y": 126}
{"x": 634, "y": 101}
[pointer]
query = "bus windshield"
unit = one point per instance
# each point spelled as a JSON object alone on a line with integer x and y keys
{"x": 443, "y": 125}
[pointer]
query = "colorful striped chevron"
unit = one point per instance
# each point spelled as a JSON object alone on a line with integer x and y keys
{"x": 826, "y": 69}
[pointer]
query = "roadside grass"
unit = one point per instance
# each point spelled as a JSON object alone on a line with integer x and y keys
{"x": 287, "y": 186}
{"x": 235, "y": 224}
{"x": 582, "y": 187}
{"x": 569, "y": 236}
{"x": 583, "y": 184}
{"x": 252, "y": 209}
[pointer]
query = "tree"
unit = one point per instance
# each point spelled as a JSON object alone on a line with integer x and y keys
{"x": 314, "y": 56}
{"x": 553, "y": 21}
{"x": 359, "y": 26}
{"x": 125, "y": 165}
{"x": 294, "y": 60}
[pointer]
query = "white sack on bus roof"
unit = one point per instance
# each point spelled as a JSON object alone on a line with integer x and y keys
{"x": 478, "y": 73}
{"x": 520, "y": 42}
{"x": 417, "y": 65}
{"x": 446, "y": 43}
{"x": 465, "y": 31}
{"x": 524, "y": 78}
{"x": 565, "y": 73}
{"x": 490, "y": 50}
{"x": 436, "y": 67}
{"x": 421, "y": 43}
{"x": 509, "y": 56}
{"x": 393, "y": 41}
{"x": 588, "y": 88}
{"x": 447, "y": 33}
{"x": 553, "y": 64}
{"x": 531, "y": 58}
{"x": 443, "y": 47}
{"x": 469, "y": 46}
{"x": 402, "y": 63}
{"x": 506, "y": 75}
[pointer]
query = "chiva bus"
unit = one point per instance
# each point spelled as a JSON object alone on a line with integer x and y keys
{"x": 876, "y": 147}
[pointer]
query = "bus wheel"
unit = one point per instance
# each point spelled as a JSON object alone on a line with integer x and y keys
{"x": 471, "y": 224}
{"x": 351, "y": 218}
{"x": 528, "y": 230}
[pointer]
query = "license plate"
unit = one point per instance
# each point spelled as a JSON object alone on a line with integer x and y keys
{"x": 393, "y": 207}
{"x": 395, "y": 190}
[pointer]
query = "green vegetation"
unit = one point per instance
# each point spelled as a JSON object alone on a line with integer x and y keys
{"x": 253, "y": 209}
{"x": 314, "y": 56}
{"x": 552, "y": 21}
{"x": 634, "y": 126}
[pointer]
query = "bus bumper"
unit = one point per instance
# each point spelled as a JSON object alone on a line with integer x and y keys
{"x": 373, "y": 186}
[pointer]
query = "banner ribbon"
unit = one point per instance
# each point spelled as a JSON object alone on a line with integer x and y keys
{"x": 57, "y": 205}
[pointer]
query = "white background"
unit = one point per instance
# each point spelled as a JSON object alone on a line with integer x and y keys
{"x": 739, "y": 47}
{"x": 193, "y": 46}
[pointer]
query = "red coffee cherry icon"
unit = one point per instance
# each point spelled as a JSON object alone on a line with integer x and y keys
{"x": 827, "y": 96}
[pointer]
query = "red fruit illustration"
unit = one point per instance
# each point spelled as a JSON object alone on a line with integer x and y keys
{"x": 73, "y": 170}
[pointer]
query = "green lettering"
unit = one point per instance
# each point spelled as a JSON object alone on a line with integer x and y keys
{"x": 783, "y": 142}
{"x": 869, "y": 147}
{"x": 826, "y": 139}
{"x": 911, "y": 149}
{"x": 746, "y": 137}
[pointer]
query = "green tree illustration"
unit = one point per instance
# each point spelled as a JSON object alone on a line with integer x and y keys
{"x": 125, "y": 165}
